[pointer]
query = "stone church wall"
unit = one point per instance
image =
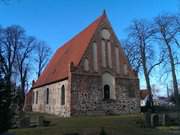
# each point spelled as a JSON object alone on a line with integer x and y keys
{"x": 87, "y": 96}
{"x": 54, "y": 106}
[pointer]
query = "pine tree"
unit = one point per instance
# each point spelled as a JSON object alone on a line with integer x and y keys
{"x": 5, "y": 103}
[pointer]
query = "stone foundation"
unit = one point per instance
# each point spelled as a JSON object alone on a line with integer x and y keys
{"x": 87, "y": 96}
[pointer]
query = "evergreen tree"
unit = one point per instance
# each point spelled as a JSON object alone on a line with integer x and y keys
{"x": 5, "y": 102}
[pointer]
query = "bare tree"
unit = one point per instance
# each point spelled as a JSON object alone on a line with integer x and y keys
{"x": 9, "y": 43}
{"x": 15, "y": 56}
{"x": 43, "y": 53}
{"x": 16, "y": 49}
{"x": 131, "y": 51}
{"x": 8, "y": 50}
{"x": 140, "y": 51}
{"x": 167, "y": 32}
{"x": 23, "y": 57}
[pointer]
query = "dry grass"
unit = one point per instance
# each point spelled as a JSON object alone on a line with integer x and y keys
{"x": 113, "y": 125}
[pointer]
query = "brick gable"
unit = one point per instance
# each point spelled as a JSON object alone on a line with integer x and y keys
{"x": 72, "y": 51}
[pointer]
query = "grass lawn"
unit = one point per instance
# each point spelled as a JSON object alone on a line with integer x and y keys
{"x": 113, "y": 125}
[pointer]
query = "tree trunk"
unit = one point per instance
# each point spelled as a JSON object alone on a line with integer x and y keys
{"x": 146, "y": 75}
{"x": 23, "y": 92}
{"x": 173, "y": 71}
{"x": 39, "y": 73}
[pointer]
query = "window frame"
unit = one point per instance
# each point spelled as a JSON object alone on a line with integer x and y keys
{"x": 47, "y": 96}
{"x": 37, "y": 95}
{"x": 63, "y": 95}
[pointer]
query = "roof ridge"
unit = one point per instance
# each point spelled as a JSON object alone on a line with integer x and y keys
{"x": 103, "y": 16}
{"x": 67, "y": 49}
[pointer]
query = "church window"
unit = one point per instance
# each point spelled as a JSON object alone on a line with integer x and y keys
{"x": 33, "y": 98}
{"x": 47, "y": 96}
{"x": 86, "y": 65}
{"x": 36, "y": 97}
{"x": 108, "y": 84}
{"x": 95, "y": 57}
{"x": 62, "y": 95}
{"x": 106, "y": 92}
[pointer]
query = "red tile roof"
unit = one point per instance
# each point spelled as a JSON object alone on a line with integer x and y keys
{"x": 72, "y": 51}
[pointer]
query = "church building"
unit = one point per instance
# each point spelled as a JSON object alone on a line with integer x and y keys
{"x": 88, "y": 75}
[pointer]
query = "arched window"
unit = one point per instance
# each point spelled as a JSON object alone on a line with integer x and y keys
{"x": 47, "y": 96}
{"x": 106, "y": 92}
{"x": 109, "y": 81}
{"x": 36, "y": 97}
{"x": 33, "y": 98}
{"x": 62, "y": 95}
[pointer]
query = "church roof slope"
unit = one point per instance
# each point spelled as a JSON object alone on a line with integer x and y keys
{"x": 72, "y": 51}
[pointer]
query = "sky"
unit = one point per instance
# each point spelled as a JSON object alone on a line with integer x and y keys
{"x": 57, "y": 21}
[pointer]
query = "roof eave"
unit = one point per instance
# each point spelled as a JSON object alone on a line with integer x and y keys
{"x": 50, "y": 83}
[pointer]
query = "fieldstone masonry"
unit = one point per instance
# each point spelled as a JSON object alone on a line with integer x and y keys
{"x": 87, "y": 97}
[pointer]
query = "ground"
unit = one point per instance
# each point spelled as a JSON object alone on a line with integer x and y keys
{"x": 113, "y": 125}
